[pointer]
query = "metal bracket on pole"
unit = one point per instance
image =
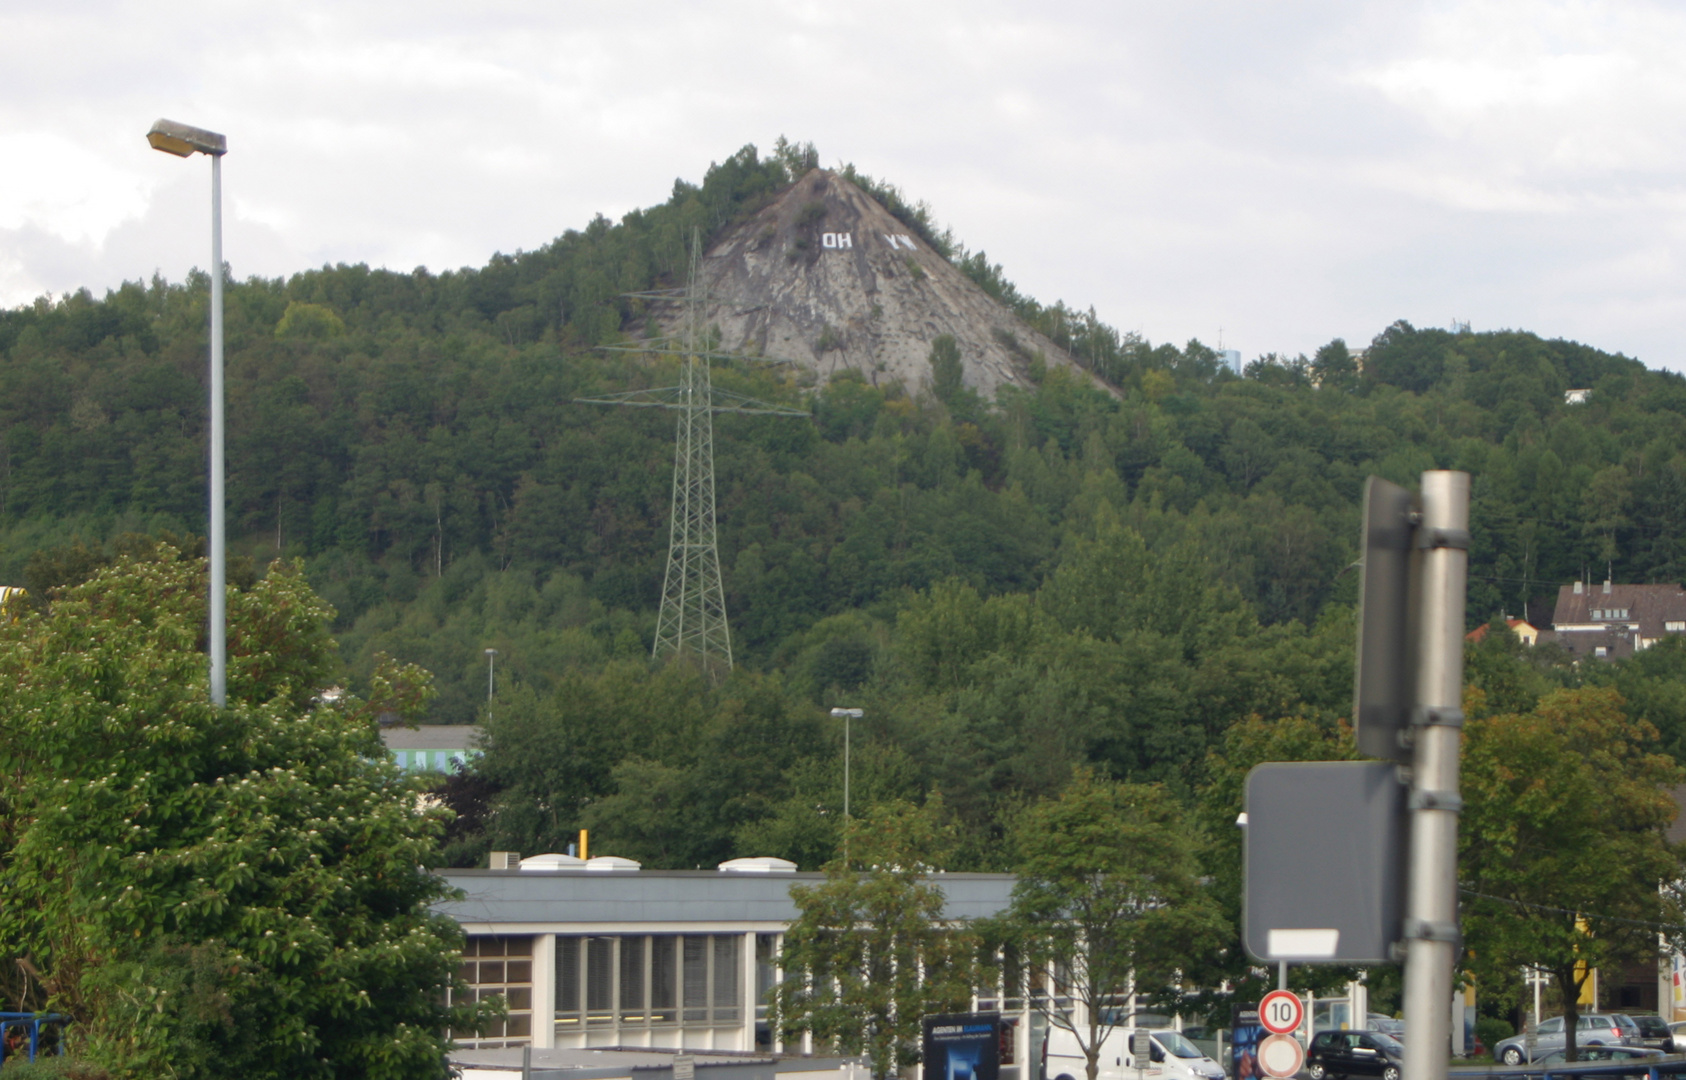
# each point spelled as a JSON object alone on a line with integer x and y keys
{"x": 1435, "y": 800}
{"x": 1423, "y": 930}
{"x": 1430, "y": 538}
{"x": 1426, "y": 716}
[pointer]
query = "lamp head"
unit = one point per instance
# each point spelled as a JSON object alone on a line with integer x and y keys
{"x": 852, "y": 714}
{"x": 184, "y": 141}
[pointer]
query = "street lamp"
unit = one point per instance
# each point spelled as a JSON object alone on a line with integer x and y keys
{"x": 184, "y": 141}
{"x": 846, "y": 715}
{"x": 491, "y": 664}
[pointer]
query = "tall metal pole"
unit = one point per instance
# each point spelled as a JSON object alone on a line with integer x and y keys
{"x": 491, "y": 664}
{"x": 218, "y": 631}
{"x": 1431, "y": 914}
{"x": 184, "y": 140}
{"x": 846, "y": 715}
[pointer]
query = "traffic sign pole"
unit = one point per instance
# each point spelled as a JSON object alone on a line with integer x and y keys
{"x": 1431, "y": 912}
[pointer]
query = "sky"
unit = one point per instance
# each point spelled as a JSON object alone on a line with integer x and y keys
{"x": 1270, "y": 176}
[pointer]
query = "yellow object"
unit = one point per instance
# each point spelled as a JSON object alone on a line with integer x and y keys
{"x": 1588, "y": 982}
{"x": 584, "y": 838}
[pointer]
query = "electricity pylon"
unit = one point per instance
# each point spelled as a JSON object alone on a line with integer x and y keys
{"x": 692, "y": 622}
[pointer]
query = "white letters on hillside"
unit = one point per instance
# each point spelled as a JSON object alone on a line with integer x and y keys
{"x": 901, "y": 240}
{"x": 836, "y": 240}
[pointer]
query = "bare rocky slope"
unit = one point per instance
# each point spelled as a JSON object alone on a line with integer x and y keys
{"x": 828, "y": 278}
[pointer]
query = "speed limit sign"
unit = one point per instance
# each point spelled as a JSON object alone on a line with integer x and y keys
{"x": 1281, "y": 1012}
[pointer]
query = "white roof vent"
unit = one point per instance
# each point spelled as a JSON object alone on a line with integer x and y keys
{"x": 551, "y": 860}
{"x": 762, "y": 865}
{"x": 611, "y": 862}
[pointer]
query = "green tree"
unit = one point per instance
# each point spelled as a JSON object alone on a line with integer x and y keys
{"x": 1562, "y": 842}
{"x": 946, "y": 368}
{"x": 1334, "y": 367}
{"x": 1109, "y": 899}
{"x": 214, "y": 892}
{"x": 871, "y": 951}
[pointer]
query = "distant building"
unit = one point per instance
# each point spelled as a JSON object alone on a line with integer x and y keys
{"x": 1231, "y": 359}
{"x": 1612, "y": 621}
{"x": 436, "y": 747}
{"x": 602, "y": 953}
{"x": 1520, "y": 627}
{"x": 1576, "y": 397}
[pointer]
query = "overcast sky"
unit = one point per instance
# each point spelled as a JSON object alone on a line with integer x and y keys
{"x": 1279, "y": 173}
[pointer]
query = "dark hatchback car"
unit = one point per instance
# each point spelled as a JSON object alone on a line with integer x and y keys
{"x": 1653, "y": 1031}
{"x": 1354, "y": 1053}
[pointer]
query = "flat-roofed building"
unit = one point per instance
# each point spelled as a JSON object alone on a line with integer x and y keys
{"x": 601, "y": 953}
{"x": 439, "y": 747}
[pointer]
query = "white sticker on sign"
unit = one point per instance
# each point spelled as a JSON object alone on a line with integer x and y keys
{"x": 1303, "y": 943}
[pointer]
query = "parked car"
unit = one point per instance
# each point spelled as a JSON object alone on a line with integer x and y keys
{"x": 1387, "y": 1025}
{"x": 1594, "y": 1029}
{"x": 1653, "y": 1031}
{"x": 1354, "y": 1053}
{"x": 1641, "y": 1056}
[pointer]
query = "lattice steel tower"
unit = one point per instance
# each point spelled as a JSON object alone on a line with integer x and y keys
{"x": 692, "y": 622}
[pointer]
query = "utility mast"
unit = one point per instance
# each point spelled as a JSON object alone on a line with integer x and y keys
{"x": 692, "y": 622}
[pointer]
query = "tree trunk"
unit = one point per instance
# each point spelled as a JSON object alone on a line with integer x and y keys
{"x": 1571, "y": 1010}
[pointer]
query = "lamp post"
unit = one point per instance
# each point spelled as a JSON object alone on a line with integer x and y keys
{"x": 491, "y": 665}
{"x": 184, "y": 141}
{"x": 846, "y": 715}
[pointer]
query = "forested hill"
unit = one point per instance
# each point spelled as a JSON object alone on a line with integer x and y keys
{"x": 1056, "y": 576}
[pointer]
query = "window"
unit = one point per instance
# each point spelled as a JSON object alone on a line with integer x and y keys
{"x": 726, "y": 978}
{"x": 695, "y": 1001}
{"x": 500, "y": 967}
{"x": 640, "y": 981}
{"x": 664, "y": 979}
{"x": 1600, "y": 650}
{"x": 766, "y": 971}
{"x": 599, "y": 980}
{"x": 1553, "y": 1026}
{"x": 632, "y": 980}
{"x": 568, "y": 979}
{"x": 1676, "y": 625}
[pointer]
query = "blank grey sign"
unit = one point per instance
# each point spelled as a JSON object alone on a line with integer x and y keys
{"x": 1324, "y": 860}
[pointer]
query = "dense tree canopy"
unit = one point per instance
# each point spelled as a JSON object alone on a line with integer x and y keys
{"x": 1155, "y": 583}
{"x": 212, "y": 892}
{"x": 1563, "y": 842}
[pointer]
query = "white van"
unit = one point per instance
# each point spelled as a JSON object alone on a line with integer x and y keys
{"x": 1173, "y": 1057}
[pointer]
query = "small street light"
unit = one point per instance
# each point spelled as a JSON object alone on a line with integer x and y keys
{"x": 846, "y": 715}
{"x": 184, "y": 141}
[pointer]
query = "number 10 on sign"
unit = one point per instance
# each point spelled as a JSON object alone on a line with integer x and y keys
{"x": 1281, "y": 1012}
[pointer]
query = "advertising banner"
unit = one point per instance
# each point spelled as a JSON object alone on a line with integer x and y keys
{"x": 1245, "y": 1034}
{"x": 963, "y": 1046}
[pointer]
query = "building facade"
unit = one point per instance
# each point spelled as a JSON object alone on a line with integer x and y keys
{"x": 431, "y": 747}
{"x": 615, "y": 956}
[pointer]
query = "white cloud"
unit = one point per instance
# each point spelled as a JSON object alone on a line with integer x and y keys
{"x": 56, "y": 184}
